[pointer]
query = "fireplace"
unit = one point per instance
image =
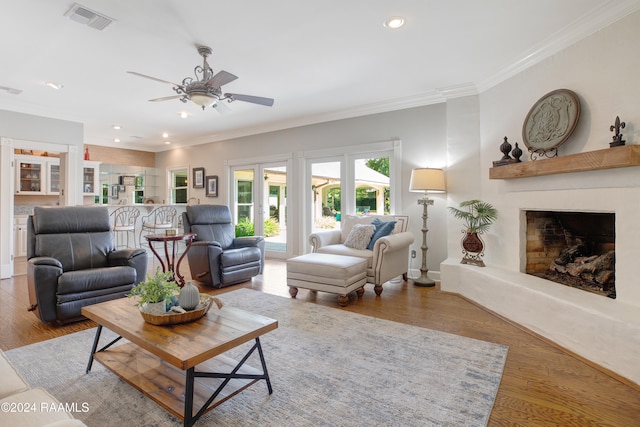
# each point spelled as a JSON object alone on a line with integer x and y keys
{"x": 575, "y": 249}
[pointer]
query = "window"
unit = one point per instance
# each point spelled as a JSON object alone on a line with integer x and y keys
{"x": 178, "y": 185}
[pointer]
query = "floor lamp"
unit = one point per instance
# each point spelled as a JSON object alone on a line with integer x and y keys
{"x": 426, "y": 180}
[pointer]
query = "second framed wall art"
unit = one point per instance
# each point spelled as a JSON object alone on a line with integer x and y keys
{"x": 211, "y": 189}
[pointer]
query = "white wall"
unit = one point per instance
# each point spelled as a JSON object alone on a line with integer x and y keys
{"x": 422, "y": 132}
{"x": 603, "y": 71}
{"x": 26, "y": 127}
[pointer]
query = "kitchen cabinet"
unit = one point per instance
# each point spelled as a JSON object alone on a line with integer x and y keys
{"x": 40, "y": 175}
{"x": 37, "y": 175}
{"x": 90, "y": 178}
{"x": 20, "y": 236}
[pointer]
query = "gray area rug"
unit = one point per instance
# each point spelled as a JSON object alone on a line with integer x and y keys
{"x": 328, "y": 367}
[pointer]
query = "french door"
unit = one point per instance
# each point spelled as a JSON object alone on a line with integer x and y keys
{"x": 259, "y": 204}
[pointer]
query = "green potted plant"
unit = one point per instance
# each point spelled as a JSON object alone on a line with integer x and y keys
{"x": 154, "y": 293}
{"x": 477, "y": 217}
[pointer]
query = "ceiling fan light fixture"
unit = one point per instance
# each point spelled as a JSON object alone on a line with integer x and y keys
{"x": 203, "y": 100}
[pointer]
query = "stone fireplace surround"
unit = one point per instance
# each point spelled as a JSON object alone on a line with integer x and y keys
{"x": 603, "y": 331}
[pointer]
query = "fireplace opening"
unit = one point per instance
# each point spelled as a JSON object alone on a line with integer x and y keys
{"x": 576, "y": 249}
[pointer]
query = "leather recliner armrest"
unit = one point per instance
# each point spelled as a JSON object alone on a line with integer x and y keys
{"x": 247, "y": 241}
{"x": 136, "y": 258}
{"x": 46, "y": 261}
{"x": 43, "y": 273}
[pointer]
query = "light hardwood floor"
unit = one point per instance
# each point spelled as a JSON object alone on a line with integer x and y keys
{"x": 542, "y": 385}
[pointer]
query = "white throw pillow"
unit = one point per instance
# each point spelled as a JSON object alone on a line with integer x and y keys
{"x": 360, "y": 236}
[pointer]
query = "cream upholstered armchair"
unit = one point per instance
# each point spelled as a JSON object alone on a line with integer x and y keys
{"x": 387, "y": 257}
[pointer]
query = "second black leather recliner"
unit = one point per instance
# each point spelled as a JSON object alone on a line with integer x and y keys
{"x": 216, "y": 257}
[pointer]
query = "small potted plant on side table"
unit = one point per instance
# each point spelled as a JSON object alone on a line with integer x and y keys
{"x": 155, "y": 292}
{"x": 477, "y": 217}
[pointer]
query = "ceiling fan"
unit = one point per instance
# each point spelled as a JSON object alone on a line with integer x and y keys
{"x": 206, "y": 90}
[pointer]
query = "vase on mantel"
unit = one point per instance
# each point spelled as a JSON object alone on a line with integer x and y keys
{"x": 472, "y": 249}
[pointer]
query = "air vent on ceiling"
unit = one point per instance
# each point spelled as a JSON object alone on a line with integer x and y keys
{"x": 11, "y": 90}
{"x": 88, "y": 17}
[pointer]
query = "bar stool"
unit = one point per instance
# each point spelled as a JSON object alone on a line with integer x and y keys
{"x": 158, "y": 220}
{"x": 124, "y": 221}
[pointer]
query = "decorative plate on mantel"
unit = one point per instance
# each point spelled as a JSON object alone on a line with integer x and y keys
{"x": 550, "y": 122}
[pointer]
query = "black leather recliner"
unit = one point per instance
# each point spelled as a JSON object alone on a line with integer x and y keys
{"x": 72, "y": 262}
{"x": 216, "y": 257}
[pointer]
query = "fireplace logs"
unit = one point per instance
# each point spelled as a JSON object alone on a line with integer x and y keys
{"x": 596, "y": 270}
{"x": 576, "y": 249}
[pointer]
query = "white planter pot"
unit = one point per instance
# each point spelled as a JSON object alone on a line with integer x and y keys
{"x": 157, "y": 308}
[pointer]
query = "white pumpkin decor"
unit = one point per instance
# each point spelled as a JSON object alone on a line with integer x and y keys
{"x": 189, "y": 297}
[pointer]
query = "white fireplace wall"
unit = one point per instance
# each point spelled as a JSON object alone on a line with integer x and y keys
{"x": 602, "y": 69}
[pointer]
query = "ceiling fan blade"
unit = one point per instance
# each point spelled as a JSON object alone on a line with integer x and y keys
{"x": 221, "y": 78}
{"x": 153, "y": 78}
{"x": 221, "y": 107}
{"x": 166, "y": 98}
{"x": 249, "y": 98}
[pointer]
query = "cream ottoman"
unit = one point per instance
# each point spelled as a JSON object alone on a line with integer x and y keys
{"x": 337, "y": 274}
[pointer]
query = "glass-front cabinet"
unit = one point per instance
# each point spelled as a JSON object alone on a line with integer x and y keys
{"x": 90, "y": 178}
{"x": 53, "y": 183}
{"x": 37, "y": 175}
{"x": 40, "y": 175}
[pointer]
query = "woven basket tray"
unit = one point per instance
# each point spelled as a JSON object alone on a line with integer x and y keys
{"x": 189, "y": 316}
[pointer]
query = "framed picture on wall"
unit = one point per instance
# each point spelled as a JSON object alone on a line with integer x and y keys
{"x": 212, "y": 186}
{"x": 198, "y": 177}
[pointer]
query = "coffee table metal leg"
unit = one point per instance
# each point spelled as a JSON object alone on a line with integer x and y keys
{"x": 188, "y": 399}
{"x": 264, "y": 366}
{"x": 191, "y": 374}
{"x": 93, "y": 348}
{"x": 96, "y": 340}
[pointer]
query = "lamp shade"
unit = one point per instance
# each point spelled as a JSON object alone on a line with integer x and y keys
{"x": 427, "y": 179}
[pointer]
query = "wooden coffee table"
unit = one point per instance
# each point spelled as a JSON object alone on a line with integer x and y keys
{"x": 163, "y": 361}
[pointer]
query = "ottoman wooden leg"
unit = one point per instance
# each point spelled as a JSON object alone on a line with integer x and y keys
{"x": 377, "y": 289}
{"x": 293, "y": 291}
{"x": 343, "y": 300}
{"x": 360, "y": 292}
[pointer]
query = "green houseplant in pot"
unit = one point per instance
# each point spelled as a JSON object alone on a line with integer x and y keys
{"x": 154, "y": 293}
{"x": 477, "y": 217}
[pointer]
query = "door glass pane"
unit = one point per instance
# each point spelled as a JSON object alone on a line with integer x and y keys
{"x": 325, "y": 197}
{"x": 372, "y": 186}
{"x": 244, "y": 202}
{"x": 275, "y": 221}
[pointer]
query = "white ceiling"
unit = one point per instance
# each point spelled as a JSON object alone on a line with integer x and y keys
{"x": 319, "y": 60}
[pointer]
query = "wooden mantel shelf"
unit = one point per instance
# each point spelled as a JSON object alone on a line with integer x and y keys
{"x": 609, "y": 158}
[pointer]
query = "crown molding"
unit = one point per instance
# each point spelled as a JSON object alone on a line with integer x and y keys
{"x": 586, "y": 25}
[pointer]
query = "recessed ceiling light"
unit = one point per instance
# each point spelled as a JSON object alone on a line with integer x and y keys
{"x": 394, "y": 22}
{"x": 53, "y": 85}
{"x": 184, "y": 115}
{"x": 167, "y": 142}
{"x": 165, "y": 135}
{"x": 116, "y": 140}
{"x": 117, "y": 127}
